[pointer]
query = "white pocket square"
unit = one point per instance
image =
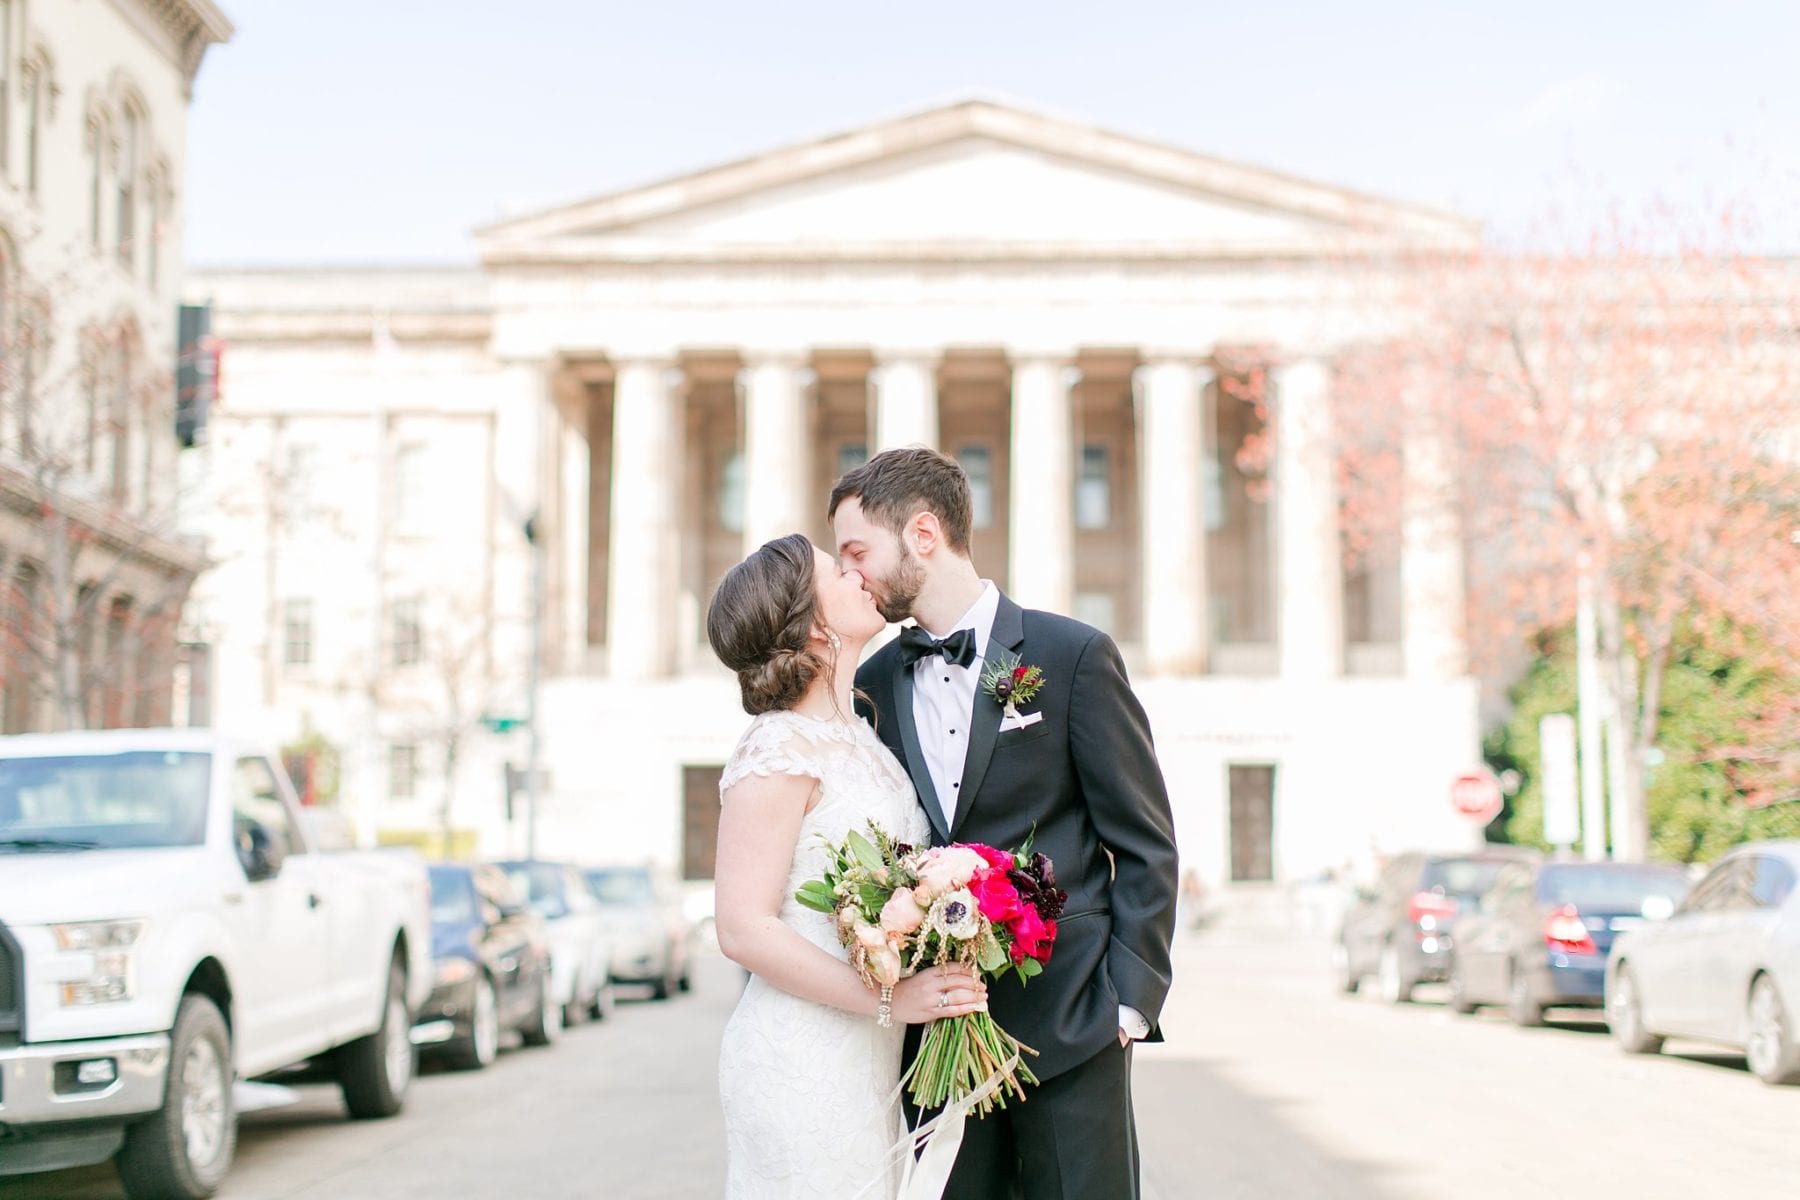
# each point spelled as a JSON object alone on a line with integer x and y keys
{"x": 1020, "y": 721}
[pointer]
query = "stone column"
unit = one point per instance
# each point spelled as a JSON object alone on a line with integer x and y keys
{"x": 644, "y": 572}
{"x": 1171, "y": 423}
{"x": 778, "y": 494}
{"x": 906, "y": 407}
{"x": 1042, "y": 474}
{"x": 1310, "y": 575}
{"x": 1431, "y": 553}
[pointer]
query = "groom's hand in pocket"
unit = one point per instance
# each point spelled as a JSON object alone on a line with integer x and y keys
{"x": 952, "y": 990}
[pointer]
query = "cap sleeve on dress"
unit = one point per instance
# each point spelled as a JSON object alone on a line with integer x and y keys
{"x": 773, "y": 745}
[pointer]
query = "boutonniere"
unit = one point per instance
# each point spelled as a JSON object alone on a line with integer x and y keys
{"x": 1011, "y": 682}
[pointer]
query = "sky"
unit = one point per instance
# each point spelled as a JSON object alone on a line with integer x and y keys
{"x": 344, "y": 131}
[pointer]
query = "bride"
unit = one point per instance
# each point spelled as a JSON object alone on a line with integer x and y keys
{"x": 809, "y": 1068}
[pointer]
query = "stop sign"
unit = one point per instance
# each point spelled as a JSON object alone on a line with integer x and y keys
{"x": 1476, "y": 795}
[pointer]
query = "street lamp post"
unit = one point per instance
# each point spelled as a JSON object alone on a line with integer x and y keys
{"x": 533, "y": 670}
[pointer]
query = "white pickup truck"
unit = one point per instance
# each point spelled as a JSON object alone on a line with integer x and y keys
{"x": 166, "y": 929}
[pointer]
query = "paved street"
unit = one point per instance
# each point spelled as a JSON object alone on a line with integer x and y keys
{"x": 1271, "y": 1086}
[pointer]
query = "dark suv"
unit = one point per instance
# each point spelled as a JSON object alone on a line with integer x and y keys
{"x": 1400, "y": 933}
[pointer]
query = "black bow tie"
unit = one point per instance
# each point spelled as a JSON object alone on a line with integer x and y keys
{"x": 958, "y": 649}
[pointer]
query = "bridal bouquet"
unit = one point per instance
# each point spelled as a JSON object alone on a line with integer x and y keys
{"x": 901, "y": 910}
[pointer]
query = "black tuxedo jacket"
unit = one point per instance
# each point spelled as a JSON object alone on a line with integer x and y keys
{"x": 1086, "y": 779}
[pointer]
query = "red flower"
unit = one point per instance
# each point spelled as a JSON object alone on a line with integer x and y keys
{"x": 1031, "y": 935}
{"x": 995, "y": 895}
{"x": 1020, "y": 673}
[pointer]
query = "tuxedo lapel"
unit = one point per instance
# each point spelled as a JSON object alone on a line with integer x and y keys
{"x": 984, "y": 719}
{"x": 915, "y": 756}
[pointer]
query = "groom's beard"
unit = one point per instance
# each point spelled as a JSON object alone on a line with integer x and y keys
{"x": 900, "y": 590}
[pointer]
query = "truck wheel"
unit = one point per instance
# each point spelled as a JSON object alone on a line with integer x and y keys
{"x": 375, "y": 1071}
{"x": 183, "y": 1150}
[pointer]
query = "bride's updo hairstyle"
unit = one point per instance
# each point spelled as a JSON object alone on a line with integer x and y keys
{"x": 759, "y": 621}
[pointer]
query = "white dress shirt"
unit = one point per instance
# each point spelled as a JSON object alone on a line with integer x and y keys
{"x": 943, "y": 699}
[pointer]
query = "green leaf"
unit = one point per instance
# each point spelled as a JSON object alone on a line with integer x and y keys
{"x": 993, "y": 958}
{"x": 1031, "y": 968}
{"x": 865, "y": 852}
{"x": 819, "y": 903}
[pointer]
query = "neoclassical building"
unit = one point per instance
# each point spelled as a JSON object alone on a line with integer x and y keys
{"x": 1129, "y": 346}
{"x": 96, "y": 556}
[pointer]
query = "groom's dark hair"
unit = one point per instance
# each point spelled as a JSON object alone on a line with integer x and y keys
{"x": 896, "y": 484}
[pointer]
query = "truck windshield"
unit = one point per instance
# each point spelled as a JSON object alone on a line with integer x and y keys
{"x": 139, "y": 799}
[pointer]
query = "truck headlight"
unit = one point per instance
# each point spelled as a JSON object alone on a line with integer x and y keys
{"x": 112, "y": 975}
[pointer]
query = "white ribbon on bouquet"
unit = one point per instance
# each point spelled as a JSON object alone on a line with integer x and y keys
{"x": 927, "y": 1173}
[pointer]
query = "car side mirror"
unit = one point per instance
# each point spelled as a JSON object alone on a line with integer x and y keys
{"x": 261, "y": 857}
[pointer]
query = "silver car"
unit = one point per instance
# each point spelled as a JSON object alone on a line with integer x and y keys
{"x": 1725, "y": 967}
{"x": 642, "y": 908}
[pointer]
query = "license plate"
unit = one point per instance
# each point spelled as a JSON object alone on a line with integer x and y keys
{"x": 1619, "y": 923}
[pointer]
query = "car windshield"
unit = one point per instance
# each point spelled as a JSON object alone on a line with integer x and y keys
{"x": 1465, "y": 878}
{"x": 542, "y": 886}
{"x": 452, "y": 897}
{"x": 144, "y": 798}
{"x": 625, "y": 885}
{"x": 1622, "y": 889}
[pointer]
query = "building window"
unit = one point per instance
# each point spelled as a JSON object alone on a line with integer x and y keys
{"x": 31, "y": 342}
{"x": 1098, "y": 609}
{"x": 96, "y": 133}
{"x": 731, "y": 494}
{"x": 297, "y": 633}
{"x": 409, "y": 635}
{"x": 978, "y": 463}
{"x": 130, "y": 134}
{"x": 403, "y": 770}
{"x": 153, "y": 240}
{"x": 851, "y": 455}
{"x": 35, "y": 86}
{"x": 1093, "y": 490}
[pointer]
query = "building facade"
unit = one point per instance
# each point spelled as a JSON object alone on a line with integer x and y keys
{"x": 1130, "y": 347}
{"x": 95, "y": 564}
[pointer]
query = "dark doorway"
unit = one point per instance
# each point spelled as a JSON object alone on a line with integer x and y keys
{"x": 1252, "y": 824}
{"x": 700, "y": 821}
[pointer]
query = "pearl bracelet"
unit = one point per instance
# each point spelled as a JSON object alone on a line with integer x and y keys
{"x": 884, "y": 1015}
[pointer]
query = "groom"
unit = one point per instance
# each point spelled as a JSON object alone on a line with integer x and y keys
{"x": 1074, "y": 771}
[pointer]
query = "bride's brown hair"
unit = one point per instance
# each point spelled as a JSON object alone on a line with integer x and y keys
{"x": 760, "y": 620}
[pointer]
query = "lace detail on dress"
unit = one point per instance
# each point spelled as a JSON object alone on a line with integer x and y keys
{"x": 806, "y": 1088}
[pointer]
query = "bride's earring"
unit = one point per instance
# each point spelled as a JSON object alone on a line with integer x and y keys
{"x": 833, "y": 639}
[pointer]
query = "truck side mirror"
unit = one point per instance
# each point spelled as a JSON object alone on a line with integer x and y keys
{"x": 258, "y": 852}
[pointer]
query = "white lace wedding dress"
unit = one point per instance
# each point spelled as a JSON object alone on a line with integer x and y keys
{"x": 807, "y": 1088}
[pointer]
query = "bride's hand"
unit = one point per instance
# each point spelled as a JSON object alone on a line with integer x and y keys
{"x": 948, "y": 991}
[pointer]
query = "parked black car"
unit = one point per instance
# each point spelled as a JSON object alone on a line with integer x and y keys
{"x": 492, "y": 963}
{"x": 1401, "y": 932}
{"x": 1539, "y": 938}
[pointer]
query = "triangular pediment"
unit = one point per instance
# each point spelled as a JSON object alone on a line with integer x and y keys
{"x": 972, "y": 178}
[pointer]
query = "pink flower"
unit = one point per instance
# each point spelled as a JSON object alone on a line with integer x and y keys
{"x": 901, "y": 914}
{"x": 948, "y": 868}
{"x": 999, "y": 860}
{"x": 995, "y": 895}
{"x": 884, "y": 964}
{"x": 870, "y": 936}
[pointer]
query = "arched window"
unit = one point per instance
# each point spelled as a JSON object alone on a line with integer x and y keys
{"x": 97, "y": 130}
{"x": 39, "y": 89}
{"x": 131, "y": 135}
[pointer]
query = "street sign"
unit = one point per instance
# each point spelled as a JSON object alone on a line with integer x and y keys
{"x": 1476, "y": 795}
{"x": 1556, "y": 763}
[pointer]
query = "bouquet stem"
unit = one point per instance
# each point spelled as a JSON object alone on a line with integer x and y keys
{"x": 960, "y": 1054}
